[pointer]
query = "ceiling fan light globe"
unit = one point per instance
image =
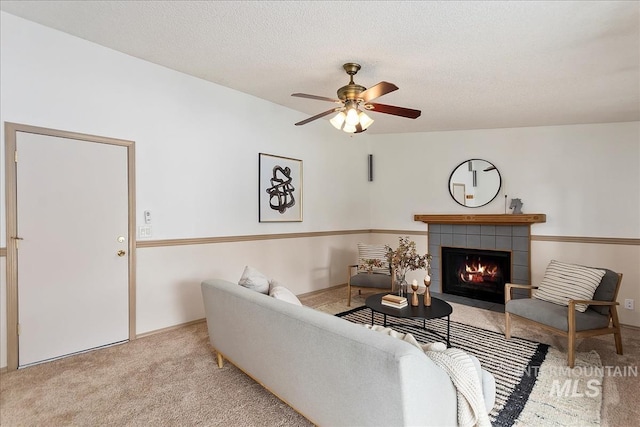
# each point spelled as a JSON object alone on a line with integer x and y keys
{"x": 352, "y": 117}
{"x": 338, "y": 120}
{"x": 365, "y": 121}
{"x": 349, "y": 128}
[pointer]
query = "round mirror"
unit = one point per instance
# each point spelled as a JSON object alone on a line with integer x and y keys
{"x": 474, "y": 183}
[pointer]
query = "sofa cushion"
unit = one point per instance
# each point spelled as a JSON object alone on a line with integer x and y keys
{"x": 373, "y": 280}
{"x": 378, "y": 252}
{"x": 253, "y": 279}
{"x": 563, "y": 281}
{"x": 555, "y": 315}
{"x": 284, "y": 294}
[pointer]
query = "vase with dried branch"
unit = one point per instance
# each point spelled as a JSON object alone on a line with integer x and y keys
{"x": 406, "y": 258}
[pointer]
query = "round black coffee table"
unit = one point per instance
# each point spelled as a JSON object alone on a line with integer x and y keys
{"x": 436, "y": 310}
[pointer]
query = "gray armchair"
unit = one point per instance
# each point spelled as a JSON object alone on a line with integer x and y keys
{"x": 601, "y": 316}
{"x": 380, "y": 277}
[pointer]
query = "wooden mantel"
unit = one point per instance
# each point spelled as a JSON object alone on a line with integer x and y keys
{"x": 499, "y": 219}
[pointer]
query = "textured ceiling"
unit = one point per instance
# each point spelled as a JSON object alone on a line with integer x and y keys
{"x": 466, "y": 65}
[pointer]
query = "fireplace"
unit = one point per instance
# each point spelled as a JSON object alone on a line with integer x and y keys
{"x": 508, "y": 232}
{"x": 475, "y": 273}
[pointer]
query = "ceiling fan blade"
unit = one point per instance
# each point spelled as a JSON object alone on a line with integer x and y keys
{"x": 319, "y": 98}
{"x": 391, "y": 109}
{"x": 378, "y": 90}
{"x": 317, "y": 116}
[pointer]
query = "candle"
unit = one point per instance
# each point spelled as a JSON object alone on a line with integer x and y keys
{"x": 415, "y": 282}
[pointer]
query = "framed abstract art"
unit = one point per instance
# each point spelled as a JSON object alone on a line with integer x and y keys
{"x": 279, "y": 189}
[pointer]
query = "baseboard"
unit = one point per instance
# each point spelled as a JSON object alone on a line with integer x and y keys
{"x": 171, "y": 328}
{"x": 319, "y": 291}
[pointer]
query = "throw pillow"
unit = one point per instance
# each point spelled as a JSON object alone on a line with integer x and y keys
{"x": 284, "y": 294}
{"x": 253, "y": 279}
{"x": 272, "y": 284}
{"x": 374, "y": 252}
{"x": 563, "y": 282}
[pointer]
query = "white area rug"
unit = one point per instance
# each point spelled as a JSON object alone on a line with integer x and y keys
{"x": 563, "y": 396}
{"x": 534, "y": 386}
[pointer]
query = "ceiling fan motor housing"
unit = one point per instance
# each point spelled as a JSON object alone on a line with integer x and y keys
{"x": 352, "y": 90}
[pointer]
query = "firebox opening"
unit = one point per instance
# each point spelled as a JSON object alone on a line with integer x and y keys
{"x": 475, "y": 273}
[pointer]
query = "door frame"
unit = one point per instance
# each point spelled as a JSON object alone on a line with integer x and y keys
{"x": 10, "y": 138}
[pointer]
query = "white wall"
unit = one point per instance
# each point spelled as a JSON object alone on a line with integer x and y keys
{"x": 171, "y": 275}
{"x": 197, "y": 143}
{"x": 585, "y": 178}
{"x": 197, "y": 148}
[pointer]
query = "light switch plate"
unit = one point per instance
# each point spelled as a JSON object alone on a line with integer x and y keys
{"x": 144, "y": 232}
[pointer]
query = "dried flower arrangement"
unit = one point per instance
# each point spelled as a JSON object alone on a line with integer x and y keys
{"x": 370, "y": 264}
{"x": 406, "y": 257}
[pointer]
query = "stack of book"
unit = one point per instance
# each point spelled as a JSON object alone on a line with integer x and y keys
{"x": 395, "y": 301}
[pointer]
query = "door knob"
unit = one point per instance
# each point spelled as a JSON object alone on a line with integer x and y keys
{"x": 121, "y": 252}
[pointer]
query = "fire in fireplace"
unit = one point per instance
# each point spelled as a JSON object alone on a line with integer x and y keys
{"x": 475, "y": 273}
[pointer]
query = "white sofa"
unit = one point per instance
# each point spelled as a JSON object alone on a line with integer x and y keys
{"x": 332, "y": 371}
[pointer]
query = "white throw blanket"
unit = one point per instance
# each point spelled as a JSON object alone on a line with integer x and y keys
{"x": 463, "y": 374}
{"x": 461, "y": 370}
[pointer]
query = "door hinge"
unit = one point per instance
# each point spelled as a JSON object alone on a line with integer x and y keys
{"x": 17, "y": 240}
{"x": 19, "y": 329}
{"x": 15, "y": 156}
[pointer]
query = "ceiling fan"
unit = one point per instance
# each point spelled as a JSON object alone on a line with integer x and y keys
{"x": 352, "y": 98}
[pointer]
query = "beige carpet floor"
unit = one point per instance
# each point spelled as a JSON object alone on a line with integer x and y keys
{"x": 166, "y": 379}
{"x": 171, "y": 379}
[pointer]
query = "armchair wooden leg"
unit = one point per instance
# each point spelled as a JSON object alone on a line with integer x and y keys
{"x": 220, "y": 360}
{"x": 571, "y": 336}
{"x": 571, "y": 357}
{"x": 349, "y": 286}
{"x": 616, "y": 327}
{"x": 507, "y": 325}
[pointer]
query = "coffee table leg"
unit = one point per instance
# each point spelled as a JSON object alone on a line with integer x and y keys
{"x": 372, "y": 313}
{"x": 448, "y": 331}
{"x": 384, "y": 321}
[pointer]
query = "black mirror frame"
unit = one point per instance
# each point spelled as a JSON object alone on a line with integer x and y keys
{"x": 463, "y": 163}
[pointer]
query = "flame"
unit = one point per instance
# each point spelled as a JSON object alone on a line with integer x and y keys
{"x": 477, "y": 272}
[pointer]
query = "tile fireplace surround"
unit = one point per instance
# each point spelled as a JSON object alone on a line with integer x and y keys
{"x": 510, "y": 233}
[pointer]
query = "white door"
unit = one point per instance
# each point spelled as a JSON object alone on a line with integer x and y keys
{"x": 72, "y": 217}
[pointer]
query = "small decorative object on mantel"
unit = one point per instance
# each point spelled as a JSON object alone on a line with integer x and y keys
{"x": 414, "y": 297}
{"x": 427, "y": 293}
{"x": 516, "y": 205}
